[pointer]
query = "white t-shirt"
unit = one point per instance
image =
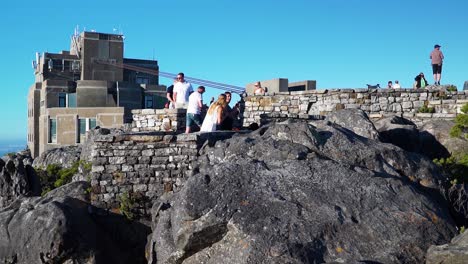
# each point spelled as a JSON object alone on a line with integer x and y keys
{"x": 396, "y": 86}
{"x": 183, "y": 91}
{"x": 193, "y": 106}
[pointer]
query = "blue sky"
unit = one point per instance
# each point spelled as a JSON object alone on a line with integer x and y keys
{"x": 339, "y": 43}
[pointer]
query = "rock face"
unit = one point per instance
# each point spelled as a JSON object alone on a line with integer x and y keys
{"x": 400, "y": 132}
{"x": 436, "y": 141}
{"x": 297, "y": 193}
{"x": 355, "y": 120}
{"x": 62, "y": 227}
{"x": 454, "y": 253}
{"x": 16, "y": 180}
{"x": 64, "y": 156}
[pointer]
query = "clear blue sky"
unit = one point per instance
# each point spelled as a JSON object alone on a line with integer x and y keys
{"x": 339, "y": 43}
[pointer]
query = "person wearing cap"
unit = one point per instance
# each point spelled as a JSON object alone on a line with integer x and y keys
{"x": 436, "y": 57}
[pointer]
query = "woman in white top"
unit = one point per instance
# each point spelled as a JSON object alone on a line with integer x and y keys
{"x": 214, "y": 116}
{"x": 258, "y": 89}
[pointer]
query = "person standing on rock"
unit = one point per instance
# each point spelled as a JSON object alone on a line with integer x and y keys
{"x": 436, "y": 57}
{"x": 194, "y": 107}
{"x": 182, "y": 91}
{"x": 229, "y": 114}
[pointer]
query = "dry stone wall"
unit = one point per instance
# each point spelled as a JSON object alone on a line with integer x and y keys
{"x": 375, "y": 102}
{"x": 158, "y": 120}
{"x": 143, "y": 166}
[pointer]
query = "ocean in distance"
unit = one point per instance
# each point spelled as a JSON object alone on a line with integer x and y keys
{"x": 8, "y": 146}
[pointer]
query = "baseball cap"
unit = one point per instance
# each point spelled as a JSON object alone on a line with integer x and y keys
{"x": 436, "y": 46}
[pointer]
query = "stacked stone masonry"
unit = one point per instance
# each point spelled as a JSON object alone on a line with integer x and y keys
{"x": 158, "y": 120}
{"x": 143, "y": 165}
{"x": 376, "y": 103}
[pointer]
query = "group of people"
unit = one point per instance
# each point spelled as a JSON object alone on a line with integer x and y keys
{"x": 420, "y": 81}
{"x": 219, "y": 115}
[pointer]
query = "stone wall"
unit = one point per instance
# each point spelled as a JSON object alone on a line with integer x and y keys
{"x": 143, "y": 166}
{"x": 158, "y": 120}
{"x": 375, "y": 102}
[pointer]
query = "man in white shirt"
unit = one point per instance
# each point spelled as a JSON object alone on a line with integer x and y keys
{"x": 195, "y": 104}
{"x": 182, "y": 90}
{"x": 396, "y": 85}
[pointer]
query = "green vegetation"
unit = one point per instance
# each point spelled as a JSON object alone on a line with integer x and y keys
{"x": 426, "y": 109}
{"x": 462, "y": 230}
{"x": 127, "y": 205}
{"x": 460, "y": 128}
{"x": 452, "y": 88}
{"x": 55, "y": 176}
{"x": 457, "y": 164}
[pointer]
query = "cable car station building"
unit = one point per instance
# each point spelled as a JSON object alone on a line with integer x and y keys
{"x": 90, "y": 85}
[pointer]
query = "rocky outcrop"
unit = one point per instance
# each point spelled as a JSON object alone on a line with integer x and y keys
{"x": 16, "y": 179}
{"x": 456, "y": 252}
{"x": 399, "y": 131}
{"x": 62, "y": 227}
{"x": 298, "y": 193}
{"x": 63, "y": 156}
{"x": 436, "y": 140}
{"x": 355, "y": 120}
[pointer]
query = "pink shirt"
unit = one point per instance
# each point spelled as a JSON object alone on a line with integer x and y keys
{"x": 436, "y": 56}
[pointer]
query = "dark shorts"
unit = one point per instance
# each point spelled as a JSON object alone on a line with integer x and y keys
{"x": 193, "y": 119}
{"x": 436, "y": 68}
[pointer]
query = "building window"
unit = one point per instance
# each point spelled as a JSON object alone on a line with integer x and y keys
{"x": 142, "y": 80}
{"x": 62, "y": 97}
{"x": 52, "y": 130}
{"x": 71, "y": 100}
{"x": 84, "y": 125}
{"x": 148, "y": 101}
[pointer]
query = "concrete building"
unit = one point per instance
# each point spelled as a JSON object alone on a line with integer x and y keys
{"x": 282, "y": 85}
{"x": 90, "y": 85}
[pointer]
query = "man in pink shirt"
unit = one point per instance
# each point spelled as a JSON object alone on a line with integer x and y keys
{"x": 436, "y": 60}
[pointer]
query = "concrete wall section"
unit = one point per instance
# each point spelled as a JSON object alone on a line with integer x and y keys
{"x": 92, "y": 93}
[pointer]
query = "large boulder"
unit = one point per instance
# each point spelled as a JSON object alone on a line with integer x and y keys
{"x": 62, "y": 227}
{"x": 355, "y": 120}
{"x": 63, "y": 156}
{"x": 456, "y": 252}
{"x": 296, "y": 193}
{"x": 17, "y": 179}
{"x": 399, "y": 131}
{"x": 436, "y": 140}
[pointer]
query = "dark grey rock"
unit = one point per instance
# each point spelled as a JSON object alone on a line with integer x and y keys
{"x": 63, "y": 156}
{"x": 436, "y": 141}
{"x": 456, "y": 252}
{"x": 294, "y": 193}
{"x": 355, "y": 120}
{"x": 16, "y": 180}
{"x": 62, "y": 227}
{"x": 399, "y": 132}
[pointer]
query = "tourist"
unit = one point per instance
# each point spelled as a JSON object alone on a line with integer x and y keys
{"x": 214, "y": 115}
{"x": 436, "y": 57}
{"x": 420, "y": 81}
{"x": 170, "y": 95}
{"x": 182, "y": 91}
{"x": 258, "y": 89}
{"x": 396, "y": 85}
{"x": 390, "y": 84}
{"x": 194, "y": 107}
{"x": 229, "y": 114}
